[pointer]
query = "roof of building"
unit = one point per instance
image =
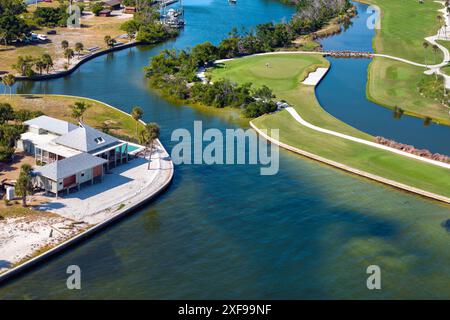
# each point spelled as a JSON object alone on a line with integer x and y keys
{"x": 67, "y": 167}
{"x": 86, "y": 139}
{"x": 112, "y": 3}
{"x": 51, "y": 124}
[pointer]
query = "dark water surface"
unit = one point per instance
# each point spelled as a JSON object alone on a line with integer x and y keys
{"x": 227, "y": 232}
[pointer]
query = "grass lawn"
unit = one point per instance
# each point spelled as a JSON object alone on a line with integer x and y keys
{"x": 58, "y": 107}
{"x": 91, "y": 34}
{"x": 404, "y": 25}
{"x": 284, "y": 76}
{"x": 392, "y": 83}
{"x": 446, "y": 44}
{"x": 446, "y": 70}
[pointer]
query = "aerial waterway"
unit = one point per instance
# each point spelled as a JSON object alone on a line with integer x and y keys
{"x": 348, "y": 78}
{"x": 225, "y": 231}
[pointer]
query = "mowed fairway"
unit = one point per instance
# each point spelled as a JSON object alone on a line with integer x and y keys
{"x": 283, "y": 76}
{"x": 392, "y": 83}
{"x": 404, "y": 25}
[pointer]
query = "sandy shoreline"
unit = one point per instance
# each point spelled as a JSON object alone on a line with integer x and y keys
{"x": 22, "y": 236}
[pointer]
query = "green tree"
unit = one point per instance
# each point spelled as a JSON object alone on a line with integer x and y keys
{"x": 24, "y": 184}
{"x": 40, "y": 65}
{"x": 264, "y": 93}
{"x": 78, "y": 110}
{"x": 25, "y": 65}
{"x": 68, "y": 54}
{"x": 8, "y": 81}
{"x": 425, "y": 45}
{"x": 6, "y": 113}
{"x": 79, "y": 47}
{"x": 48, "y": 62}
{"x": 96, "y": 8}
{"x": 137, "y": 114}
{"x": 51, "y": 17}
{"x": 110, "y": 42}
{"x": 148, "y": 136}
{"x": 64, "y": 44}
{"x": 12, "y": 7}
{"x": 131, "y": 27}
{"x": 12, "y": 28}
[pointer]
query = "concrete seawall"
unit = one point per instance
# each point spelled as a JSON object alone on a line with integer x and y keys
{"x": 352, "y": 170}
{"x": 72, "y": 69}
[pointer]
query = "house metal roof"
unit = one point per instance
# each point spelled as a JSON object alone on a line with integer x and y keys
{"x": 65, "y": 168}
{"x": 112, "y": 3}
{"x": 51, "y": 124}
{"x": 86, "y": 139}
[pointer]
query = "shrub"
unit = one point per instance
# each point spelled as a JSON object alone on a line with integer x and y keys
{"x": 96, "y": 8}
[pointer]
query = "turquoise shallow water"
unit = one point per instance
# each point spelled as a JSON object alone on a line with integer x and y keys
{"x": 227, "y": 232}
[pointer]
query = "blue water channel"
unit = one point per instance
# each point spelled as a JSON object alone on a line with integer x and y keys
{"x": 343, "y": 93}
{"x": 225, "y": 231}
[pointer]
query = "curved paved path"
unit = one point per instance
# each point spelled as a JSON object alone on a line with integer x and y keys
{"x": 303, "y": 122}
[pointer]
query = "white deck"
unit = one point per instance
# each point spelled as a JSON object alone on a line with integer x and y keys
{"x": 95, "y": 203}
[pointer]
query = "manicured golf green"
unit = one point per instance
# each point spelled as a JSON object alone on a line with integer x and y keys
{"x": 283, "y": 75}
{"x": 404, "y": 25}
{"x": 392, "y": 83}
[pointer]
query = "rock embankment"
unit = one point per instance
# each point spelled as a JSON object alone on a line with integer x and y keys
{"x": 411, "y": 149}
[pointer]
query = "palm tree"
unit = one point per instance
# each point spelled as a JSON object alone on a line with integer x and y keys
{"x": 435, "y": 50}
{"x": 445, "y": 22}
{"x": 425, "y": 45}
{"x": 69, "y": 54}
{"x": 40, "y": 65}
{"x": 79, "y": 47}
{"x": 137, "y": 113}
{"x": 78, "y": 109}
{"x": 48, "y": 62}
{"x": 64, "y": 44}
{"x": 148, "y": 136}
{"x": 24, "y": 184}
{"x": 8, "y": 81}
{"x": 439, "y": 19}
{"x": 110, "y": 42}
